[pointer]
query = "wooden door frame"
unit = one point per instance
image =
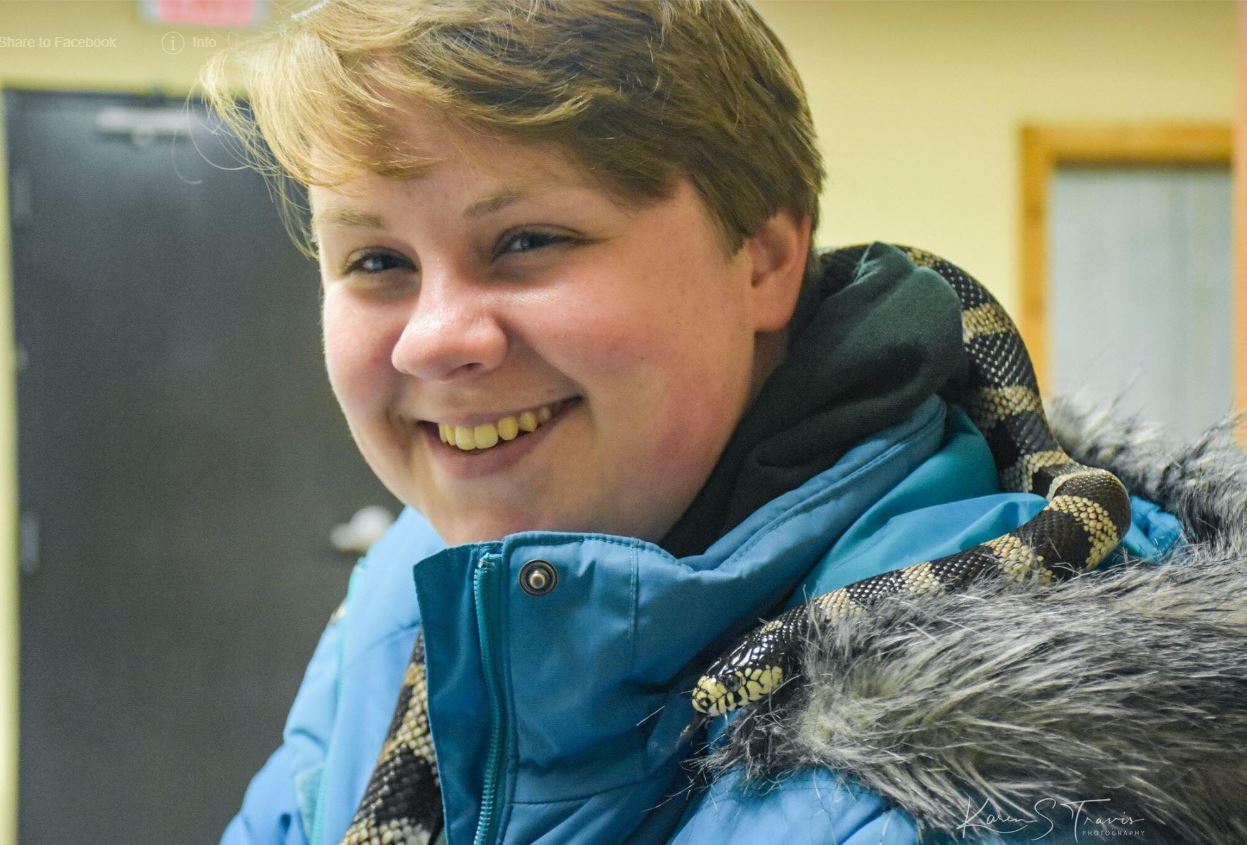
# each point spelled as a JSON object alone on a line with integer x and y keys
{"x": 1046, "y": 146}
{"x": 1240, "y": 227}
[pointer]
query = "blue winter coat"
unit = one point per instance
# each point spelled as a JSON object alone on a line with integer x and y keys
{"x": 572, "y": 702}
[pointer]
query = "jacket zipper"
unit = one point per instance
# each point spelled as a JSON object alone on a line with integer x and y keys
{"x": 484, "y": 589}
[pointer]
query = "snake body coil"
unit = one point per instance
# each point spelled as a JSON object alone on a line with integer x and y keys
{"x": 1087, "y": 514}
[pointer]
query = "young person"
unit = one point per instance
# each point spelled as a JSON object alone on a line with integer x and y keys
{"x": 575, "y": 323}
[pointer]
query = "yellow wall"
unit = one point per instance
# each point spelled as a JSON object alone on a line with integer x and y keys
{"x": 918, "y": 105}
{"x": 139, "y": 58}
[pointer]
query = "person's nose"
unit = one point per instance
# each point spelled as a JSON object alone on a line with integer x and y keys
{"x": 453, "y": 329}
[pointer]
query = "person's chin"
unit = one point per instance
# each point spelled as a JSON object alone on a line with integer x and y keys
{"x": 460, "y": 531}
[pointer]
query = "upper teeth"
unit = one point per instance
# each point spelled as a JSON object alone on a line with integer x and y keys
{"x": 486, "y": 435}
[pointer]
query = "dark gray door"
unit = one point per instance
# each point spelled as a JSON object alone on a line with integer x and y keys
{"x": 182, "y": 463}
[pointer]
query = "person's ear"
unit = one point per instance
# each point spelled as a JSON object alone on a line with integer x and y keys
{"x": 778, "y": 252}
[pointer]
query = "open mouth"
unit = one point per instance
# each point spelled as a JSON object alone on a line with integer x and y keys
{"x": 489, "y": 435}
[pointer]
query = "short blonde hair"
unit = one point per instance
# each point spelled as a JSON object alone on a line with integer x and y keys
{"x": 637, "y": 92}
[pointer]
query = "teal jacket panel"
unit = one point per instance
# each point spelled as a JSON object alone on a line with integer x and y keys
{"x": 571, "y": 704}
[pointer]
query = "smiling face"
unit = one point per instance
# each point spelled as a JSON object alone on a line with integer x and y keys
{"x": 586, "y": 359}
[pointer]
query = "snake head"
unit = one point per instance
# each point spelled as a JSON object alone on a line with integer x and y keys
{"x": 722, "y": 691}
{"x": 746, "y": 674}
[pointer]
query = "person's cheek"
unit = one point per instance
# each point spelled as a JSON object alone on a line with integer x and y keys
{"x": 358, "y": 376}
{"x": 338, "y": 350}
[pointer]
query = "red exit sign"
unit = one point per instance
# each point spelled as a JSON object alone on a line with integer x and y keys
{"x": 228, "y": 13}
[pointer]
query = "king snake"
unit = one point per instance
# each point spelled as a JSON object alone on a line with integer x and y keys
{"x": 1086, "y": 516}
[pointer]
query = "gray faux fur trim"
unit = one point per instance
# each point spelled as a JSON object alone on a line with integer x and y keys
{"x": 1203, "y": 483}
{"x": 1126, "y": 690}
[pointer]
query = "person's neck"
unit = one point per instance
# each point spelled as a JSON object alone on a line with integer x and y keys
{"x": 770, "y": 349}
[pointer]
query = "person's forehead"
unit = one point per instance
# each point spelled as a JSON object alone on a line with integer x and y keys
{"x": 331, "y": 209}
{"x": 429, "y": 141}
{"x": 487, "y": 175}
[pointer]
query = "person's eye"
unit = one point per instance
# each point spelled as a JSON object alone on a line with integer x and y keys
{"x": 527, "y": 240}
{"x": 372, "y": 262}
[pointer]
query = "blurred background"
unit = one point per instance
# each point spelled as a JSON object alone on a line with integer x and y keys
{"x": 179, "y": 487}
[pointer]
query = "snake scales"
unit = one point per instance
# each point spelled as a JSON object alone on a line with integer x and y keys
{"x": 1085, "y": 518}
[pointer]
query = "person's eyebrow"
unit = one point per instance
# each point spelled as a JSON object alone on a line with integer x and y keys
{"x": 494, "y": 202}
{"x": 343, "y": 215}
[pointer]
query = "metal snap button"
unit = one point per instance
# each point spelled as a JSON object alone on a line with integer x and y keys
{"x": 538, "y": 577}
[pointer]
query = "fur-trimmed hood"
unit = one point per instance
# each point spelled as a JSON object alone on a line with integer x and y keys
{"x": 1117, "y": 699}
